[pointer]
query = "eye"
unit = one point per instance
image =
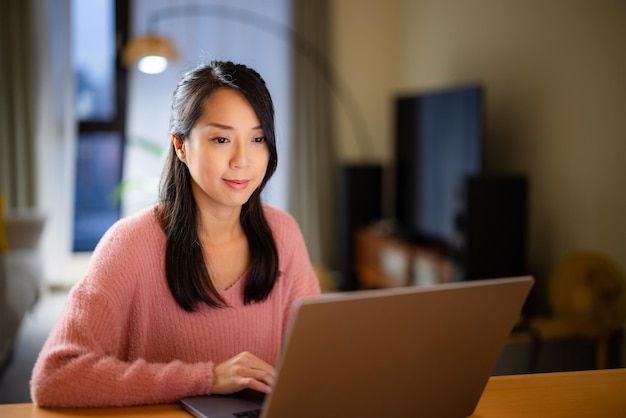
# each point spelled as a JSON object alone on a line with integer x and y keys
{"x": 259, "y": 139}
{"x": 220, "y": 140}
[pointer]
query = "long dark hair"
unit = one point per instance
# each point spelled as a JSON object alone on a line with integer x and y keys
{"x": 185, "y": 267}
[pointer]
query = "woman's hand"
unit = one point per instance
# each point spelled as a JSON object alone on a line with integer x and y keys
{"x": 244, "y": 371}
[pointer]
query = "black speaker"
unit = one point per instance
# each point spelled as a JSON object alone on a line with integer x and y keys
{"x": 359, "y": 203}
{"x": 494, "y": 229}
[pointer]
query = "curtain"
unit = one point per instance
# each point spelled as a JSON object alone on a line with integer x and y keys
{"x": 36, "y": 122}
{"x": 17, "y": 117}
{"x": 56, "y": 137}
{"x": 313, "y": 161}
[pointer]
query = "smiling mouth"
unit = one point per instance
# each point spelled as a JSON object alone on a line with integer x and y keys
{"x": 237, "y": 184}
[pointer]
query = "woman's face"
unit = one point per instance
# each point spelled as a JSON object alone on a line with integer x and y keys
{"x": 226, "y": 151}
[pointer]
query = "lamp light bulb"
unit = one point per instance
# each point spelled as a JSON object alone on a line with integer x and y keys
{"x": 152, "y": 64}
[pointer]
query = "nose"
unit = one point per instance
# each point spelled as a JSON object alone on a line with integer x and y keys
{"x": 240, "y": 157}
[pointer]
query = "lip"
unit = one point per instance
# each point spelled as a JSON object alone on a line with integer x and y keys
{"x": 237, "y": 184}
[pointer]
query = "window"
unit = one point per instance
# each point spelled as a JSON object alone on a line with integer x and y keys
{"x": 98, "y": 27}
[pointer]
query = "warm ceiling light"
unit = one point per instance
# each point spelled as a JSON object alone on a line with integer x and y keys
{"x": 150, "y": 53}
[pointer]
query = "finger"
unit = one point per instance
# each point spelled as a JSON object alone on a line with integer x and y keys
{"x": 264, "y": 376}
{"x": 254, "y": 384}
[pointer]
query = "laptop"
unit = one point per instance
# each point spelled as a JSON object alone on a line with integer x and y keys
{"x": 402, "y": 352}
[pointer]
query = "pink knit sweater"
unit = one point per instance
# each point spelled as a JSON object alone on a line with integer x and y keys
{"x": 123, "y": 340}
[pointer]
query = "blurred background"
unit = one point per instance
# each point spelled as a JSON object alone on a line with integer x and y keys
{"x": 83, "y": 132}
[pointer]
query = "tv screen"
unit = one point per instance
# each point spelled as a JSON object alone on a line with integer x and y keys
{"x": 438, "y": 145}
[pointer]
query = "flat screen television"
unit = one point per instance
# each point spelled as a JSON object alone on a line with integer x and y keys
{"x": 438, "y": 145}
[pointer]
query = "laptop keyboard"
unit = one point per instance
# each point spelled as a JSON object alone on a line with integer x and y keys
{"x": 248, "y": 414}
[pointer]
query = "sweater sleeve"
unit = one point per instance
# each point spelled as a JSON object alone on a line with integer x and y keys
{"x": 85, "y": 361}
{"x": 78, "y": 366}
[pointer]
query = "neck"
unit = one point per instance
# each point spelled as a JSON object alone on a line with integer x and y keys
{"x": 216, "y": 228}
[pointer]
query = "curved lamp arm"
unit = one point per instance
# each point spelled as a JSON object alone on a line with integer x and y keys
{"x": 161, "y": 50}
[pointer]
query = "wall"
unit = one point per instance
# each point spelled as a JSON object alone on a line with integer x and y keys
{"x": 556, "y": 99}
{"x": 366, "y": 56}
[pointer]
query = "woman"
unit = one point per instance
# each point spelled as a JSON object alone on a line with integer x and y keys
{"x": 193, "y": 295}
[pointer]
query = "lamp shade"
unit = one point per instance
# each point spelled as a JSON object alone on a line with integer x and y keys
{"x": 150, "y": 52}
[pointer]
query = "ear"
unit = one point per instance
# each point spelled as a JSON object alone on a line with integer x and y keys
{"x": 179, "y": 147}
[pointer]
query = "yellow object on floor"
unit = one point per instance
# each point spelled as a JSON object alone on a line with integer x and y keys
{"x": 588, "y": 298}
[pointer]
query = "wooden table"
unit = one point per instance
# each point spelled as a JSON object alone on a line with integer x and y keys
{"x": 589, "y": 394}
{"x": 596, "y": 394}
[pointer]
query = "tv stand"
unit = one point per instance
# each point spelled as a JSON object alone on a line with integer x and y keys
{"x": 384, "y": 259}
